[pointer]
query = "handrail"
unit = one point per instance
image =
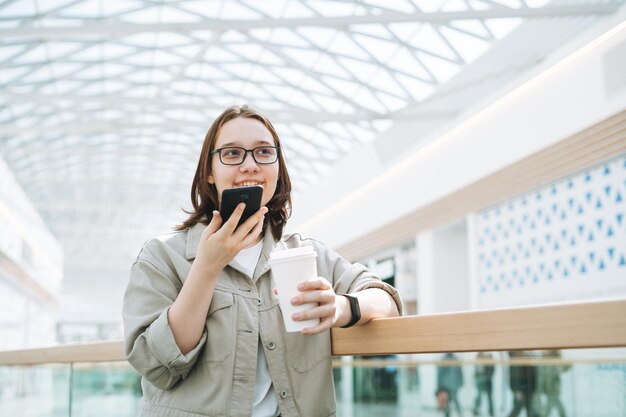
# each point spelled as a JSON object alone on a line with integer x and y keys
{"x": 565, "y": 326}
{"x": 111, "y": 351}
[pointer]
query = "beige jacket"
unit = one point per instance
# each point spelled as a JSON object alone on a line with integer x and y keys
{"x": 217, "y": 377}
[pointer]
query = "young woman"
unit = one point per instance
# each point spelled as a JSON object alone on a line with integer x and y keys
{"x": 202, "y": 322}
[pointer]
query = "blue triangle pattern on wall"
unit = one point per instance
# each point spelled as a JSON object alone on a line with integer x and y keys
{"x": 553, "y": 233}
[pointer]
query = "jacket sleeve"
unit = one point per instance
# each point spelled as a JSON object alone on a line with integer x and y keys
{"x": 148, "y": 339}
{"x": 349, "y": 277}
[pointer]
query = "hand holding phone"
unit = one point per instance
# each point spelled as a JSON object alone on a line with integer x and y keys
{"x": 231, "y": 197}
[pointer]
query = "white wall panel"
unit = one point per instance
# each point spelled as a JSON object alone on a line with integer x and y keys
{"x": 360, "y": 196}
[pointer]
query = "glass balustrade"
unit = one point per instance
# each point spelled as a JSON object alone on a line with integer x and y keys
{"x": 105, "y": 389}
{"x": 35, "y": 390}
{"x": 573, "y": 383}
{"x": 70, "y": 390}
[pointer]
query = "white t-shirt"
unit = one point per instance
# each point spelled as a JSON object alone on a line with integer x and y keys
{"x": 264, "y": 403}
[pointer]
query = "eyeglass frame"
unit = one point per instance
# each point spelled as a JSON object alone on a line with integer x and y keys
{"x": 218, "y": 151}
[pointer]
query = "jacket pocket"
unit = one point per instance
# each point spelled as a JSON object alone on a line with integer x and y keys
{"x": 306, "y": 352}
{"x": 220, "y": 323}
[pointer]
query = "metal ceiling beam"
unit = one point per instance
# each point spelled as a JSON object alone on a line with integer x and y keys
{"x": 278, "y": 117}
{"x": 108, "y": 101}
{"x": 116, "y": 29}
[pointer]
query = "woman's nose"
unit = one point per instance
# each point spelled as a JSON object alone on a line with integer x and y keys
{"x": 249, "y": 163}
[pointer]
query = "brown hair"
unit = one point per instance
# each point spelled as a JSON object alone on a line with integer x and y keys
{"x": 204, "y": 196}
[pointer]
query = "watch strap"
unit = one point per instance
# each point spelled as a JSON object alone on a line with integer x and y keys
{"x": 355, "y": 309}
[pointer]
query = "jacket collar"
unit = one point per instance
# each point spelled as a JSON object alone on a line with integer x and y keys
{"x": 268, "y": 246}
{"x": 193, "y": 238}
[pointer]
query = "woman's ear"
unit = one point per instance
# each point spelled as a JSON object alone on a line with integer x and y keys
{"x": 211, "y": 180}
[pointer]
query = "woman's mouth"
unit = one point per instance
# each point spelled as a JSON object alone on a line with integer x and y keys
{"x": 248, "y": 184}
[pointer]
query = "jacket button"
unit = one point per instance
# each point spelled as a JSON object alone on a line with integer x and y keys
{"x": 283, "y": 394}
{"x": 259, "y": 302}
{"x": 271, "y": 345}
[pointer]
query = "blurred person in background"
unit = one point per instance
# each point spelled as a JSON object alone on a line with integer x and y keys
{"x": 483, "y": 375}
{"x": 449, "y": 381}
{"x": 523, "y": 382}
{"x": 550, "y": 383}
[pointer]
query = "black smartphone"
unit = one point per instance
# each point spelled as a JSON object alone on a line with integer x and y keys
{"x": 233, "y": 196}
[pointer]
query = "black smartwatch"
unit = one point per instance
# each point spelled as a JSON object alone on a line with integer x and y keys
{"x": 356, "y": 311}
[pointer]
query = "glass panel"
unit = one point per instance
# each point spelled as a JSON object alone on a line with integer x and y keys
{"x": 105, "y": 389}
{"x": 577, "y": 382}
{"x": 33, "y": 391}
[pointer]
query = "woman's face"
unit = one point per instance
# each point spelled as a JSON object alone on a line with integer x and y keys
{"x": 246, "y": 133}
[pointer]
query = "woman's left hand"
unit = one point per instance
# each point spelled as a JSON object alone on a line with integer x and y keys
{"x": 330, "y": 309}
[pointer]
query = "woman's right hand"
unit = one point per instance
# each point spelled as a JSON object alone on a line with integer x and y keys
{"x": 220, "y": 244}
{"x": 217, "y": 247}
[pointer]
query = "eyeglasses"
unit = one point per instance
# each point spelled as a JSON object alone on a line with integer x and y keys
{"x": 234, "y": 155}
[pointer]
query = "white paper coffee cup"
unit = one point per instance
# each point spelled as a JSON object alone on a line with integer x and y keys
{"x": 289, "y": 268}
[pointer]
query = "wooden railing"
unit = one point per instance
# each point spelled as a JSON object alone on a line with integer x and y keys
{"x": 581, "y": 325}
{"x": 565, "y": 326}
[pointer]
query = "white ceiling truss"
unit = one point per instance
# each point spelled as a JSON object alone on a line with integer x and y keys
{"x": 105, "y": 103}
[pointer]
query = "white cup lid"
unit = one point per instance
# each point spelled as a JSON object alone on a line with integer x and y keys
{"x": 290, "y": 253}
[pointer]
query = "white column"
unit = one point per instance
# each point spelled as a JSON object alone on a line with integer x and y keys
{"x": 472, "y": 262}
{"x": 425, "y": 272}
